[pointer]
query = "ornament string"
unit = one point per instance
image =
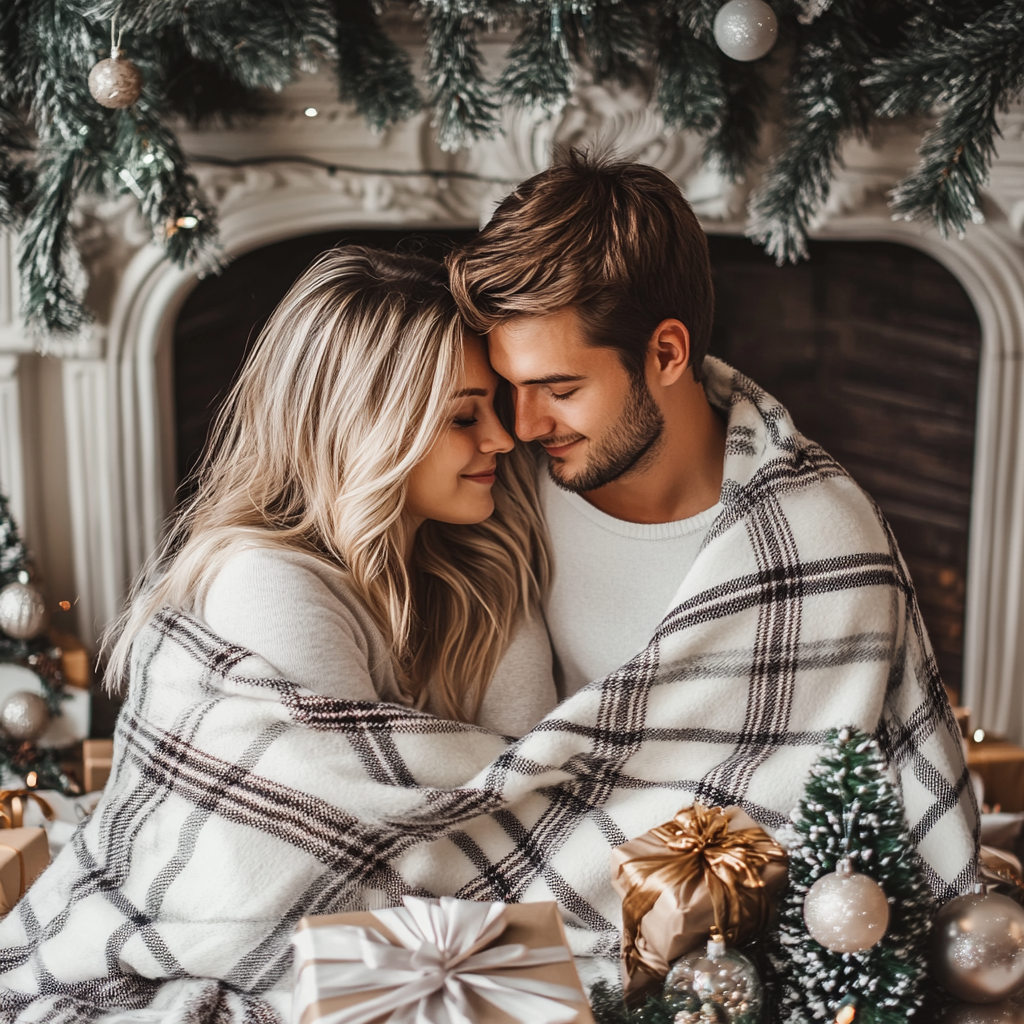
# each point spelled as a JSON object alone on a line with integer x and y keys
{"x": 115, "y": 48}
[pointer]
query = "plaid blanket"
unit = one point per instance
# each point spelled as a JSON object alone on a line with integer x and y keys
{"x": 239, "y": 801}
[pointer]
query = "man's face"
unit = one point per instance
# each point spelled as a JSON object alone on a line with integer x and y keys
{"x": 577, "y": 400}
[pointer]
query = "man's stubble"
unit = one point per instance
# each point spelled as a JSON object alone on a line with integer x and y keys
{"x": 627, "y": 446}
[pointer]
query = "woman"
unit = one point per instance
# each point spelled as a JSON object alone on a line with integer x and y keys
{"x": 363, "y": 520}
{"x": 363, "y": 536}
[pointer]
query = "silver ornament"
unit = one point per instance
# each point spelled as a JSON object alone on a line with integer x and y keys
{"x": 24, "y": 716}
{"x": 115, "y": 83}
{"x": 746, "y": 29}
{"x": 978, "y": 947}
{"x": 718, "y": 984}
{"x": 846, "y": 912}
{"x": 23, "y": 612}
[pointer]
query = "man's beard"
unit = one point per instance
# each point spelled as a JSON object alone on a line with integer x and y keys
{"x": 628, "y": 444}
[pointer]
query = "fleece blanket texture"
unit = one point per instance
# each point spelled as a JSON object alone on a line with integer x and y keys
{"x": 240, "y": 802}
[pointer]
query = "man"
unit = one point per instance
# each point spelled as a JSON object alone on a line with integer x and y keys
{"x": 684, "y": 506}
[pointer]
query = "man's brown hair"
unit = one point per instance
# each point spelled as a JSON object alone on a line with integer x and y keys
{"x": 612, "y": 239}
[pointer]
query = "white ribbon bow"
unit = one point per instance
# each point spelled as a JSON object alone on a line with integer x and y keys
{"x": 428, "y": 974}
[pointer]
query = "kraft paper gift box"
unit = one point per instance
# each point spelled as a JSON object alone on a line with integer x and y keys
{"x": 97, "y": 761}
{"x": 534, "y": 925}
{"x": 666, "y": 877}
{"x": 24, "y": 855}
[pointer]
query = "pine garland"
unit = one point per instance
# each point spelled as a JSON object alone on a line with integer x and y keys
{"x": 972, "y": 73}
{"x": 851, "y": 808}
{"x": 843, "y": 62}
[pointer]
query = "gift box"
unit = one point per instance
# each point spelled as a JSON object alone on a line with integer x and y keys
{"x": 75, "y": 662}
{"x": 707, "y": 869}
{"x": 438, "y": 960}
{"x": 24, "y": 854}
{"x": 97, "y": 761}
{"x": 1001, "y": 767}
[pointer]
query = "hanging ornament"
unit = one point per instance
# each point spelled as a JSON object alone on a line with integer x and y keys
{"x": 23, "y": 613}
{"x": 115, "y": 82}
{"x": 746, "y": 29}
{"x": 716, "y": 986}
{"x": 978, "y": 947}
{"x": 24, "y": 716}
{"x": 845, "y": 911}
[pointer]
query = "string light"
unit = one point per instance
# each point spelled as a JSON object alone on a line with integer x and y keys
{"x": 311, "y": 111}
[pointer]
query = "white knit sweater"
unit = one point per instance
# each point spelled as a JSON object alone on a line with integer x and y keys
{"x": 293, "y": 611}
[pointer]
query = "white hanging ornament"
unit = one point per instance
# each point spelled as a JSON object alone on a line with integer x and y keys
{"x": 115, "y": 82}
{"x": 845, "y": 911}
{"x": 746, "y": 29}
{"x": 23, "y": 613}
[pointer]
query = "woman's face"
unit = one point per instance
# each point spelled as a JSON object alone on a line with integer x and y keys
{"x": 452, "y": 484}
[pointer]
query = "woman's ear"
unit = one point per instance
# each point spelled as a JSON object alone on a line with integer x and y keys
{"x": 669, "y": 351}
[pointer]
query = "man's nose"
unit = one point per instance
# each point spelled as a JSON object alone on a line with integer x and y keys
{"x": 532, "y": 421}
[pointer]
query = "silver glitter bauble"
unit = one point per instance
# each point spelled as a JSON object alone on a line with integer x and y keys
{"x": 846, "y": 912}
{"x": 24, "y": 716}
{"x": 115, "y": 83}
{"x": 746, "y": 29}
{"x": 718, "y": 984}
{"x": 22, "y": 611}
{"x": 978, "y": 947}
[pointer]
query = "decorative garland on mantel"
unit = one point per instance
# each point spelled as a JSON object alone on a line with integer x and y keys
{"x": 87, "y": 110}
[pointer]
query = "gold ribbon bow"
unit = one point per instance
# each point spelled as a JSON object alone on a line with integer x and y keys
{"x": 13, "y": 803}
{"x": 696, "y": 840}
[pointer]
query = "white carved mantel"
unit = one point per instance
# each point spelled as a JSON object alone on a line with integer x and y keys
{"x": 86, "y": 432}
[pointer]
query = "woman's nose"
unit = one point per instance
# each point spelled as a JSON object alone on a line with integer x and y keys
{"x": 497, "y": 439}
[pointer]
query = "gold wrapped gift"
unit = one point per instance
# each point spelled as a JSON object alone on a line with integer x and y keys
{"x": 705, "y": 869}
{"x": 13, "y": 803}
{"x": 24, "y": 854}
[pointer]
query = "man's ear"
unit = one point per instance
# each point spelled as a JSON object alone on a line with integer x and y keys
{"x": 669, "y": 351}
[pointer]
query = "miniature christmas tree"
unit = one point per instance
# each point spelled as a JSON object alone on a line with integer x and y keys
{"x": 852, "y": 811}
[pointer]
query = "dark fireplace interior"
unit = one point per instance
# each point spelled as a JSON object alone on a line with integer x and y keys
{"x": 873, "y": 347}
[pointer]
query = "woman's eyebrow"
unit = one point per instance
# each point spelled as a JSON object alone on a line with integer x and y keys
{"x": 472, "y": 393}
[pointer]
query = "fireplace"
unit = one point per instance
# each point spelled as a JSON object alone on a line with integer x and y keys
{"x": 87, "y": 433}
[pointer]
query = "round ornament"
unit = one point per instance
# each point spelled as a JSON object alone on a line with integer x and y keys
{"x": 978, "y": 947}
{"x": 845, "y": 911}
{"x": 746, "y": 29}
{"x": 22, "y": 611}
{"x": 115, "y": 82}
{"x": 24, "y": 716}
{"x": 716, "y": 986}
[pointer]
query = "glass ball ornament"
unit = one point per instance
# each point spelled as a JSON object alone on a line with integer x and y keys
{"x": 715, "y": 986}
{"x": 845, "y": 911}
{"x": 115, "y": 83}
{"x": 977, "y": 949}
{"x": 24, "y": 715}
{"x": 23, "y": 612}
{"x": 746, "y": 29}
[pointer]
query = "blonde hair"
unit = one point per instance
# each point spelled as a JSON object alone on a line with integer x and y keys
{"x": 346, "y": 390}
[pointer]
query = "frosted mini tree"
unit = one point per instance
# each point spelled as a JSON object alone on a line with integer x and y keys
{"x": 852, "y": 809}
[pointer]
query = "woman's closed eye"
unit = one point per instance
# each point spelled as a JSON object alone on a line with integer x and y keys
{"x": 464, "y": 421}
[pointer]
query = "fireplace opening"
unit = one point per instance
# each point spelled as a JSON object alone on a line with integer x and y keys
{"x": 873, "y": 347}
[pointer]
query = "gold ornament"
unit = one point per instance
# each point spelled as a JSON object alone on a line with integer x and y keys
{"x": 24, "y": 715}
{"x": 845, "y": 911}
{"x": 23, "y": 613}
